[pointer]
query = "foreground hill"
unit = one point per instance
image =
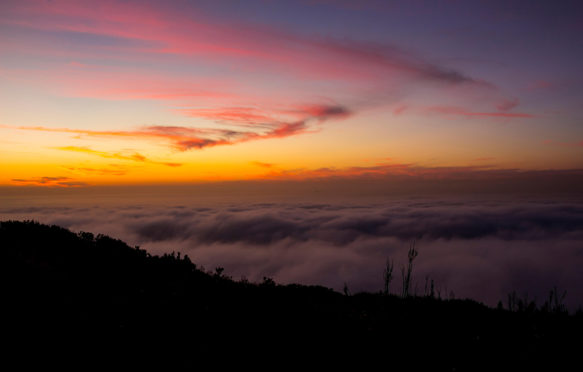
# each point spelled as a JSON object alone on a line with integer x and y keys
{"x": 78, "y": 298}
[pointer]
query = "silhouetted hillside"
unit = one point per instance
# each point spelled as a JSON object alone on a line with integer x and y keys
{"x": 78, "y": 298}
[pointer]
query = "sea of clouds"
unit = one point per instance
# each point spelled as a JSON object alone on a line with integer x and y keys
{"x": 482, "y": 249}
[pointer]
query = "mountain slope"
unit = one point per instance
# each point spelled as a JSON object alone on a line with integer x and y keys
{"x": 75, "y": 298}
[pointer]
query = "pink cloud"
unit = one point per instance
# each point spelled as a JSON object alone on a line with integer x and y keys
{"x": 508, "y": 104}
{"x": 161, "y": 30}
{"x": 237, "y": 115}
{"x": 262, "y": 164}
{"x": 114, "y": 171}
{"x": 400, "y": 109}
{"x": 76, "y": 64}
{"x": 49, "y": 181}
{"x": 105, "y": 83}
{"x": 323, "y": 112}
{"x": 460, "y": 111}
{"x": 541, "y": 85}
{"x": 180, "y": 138}
{"x": 564, "y": 144}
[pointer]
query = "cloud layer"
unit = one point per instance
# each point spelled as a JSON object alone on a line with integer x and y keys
{"x": 478, "y": 249}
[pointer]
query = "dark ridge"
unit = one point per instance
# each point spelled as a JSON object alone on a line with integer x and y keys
{"x": 80, "y": 300}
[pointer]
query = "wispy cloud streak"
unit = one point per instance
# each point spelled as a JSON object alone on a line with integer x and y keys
{"x": 261, "y": 126}
{"x": 133, "y": 157}
{"x": 564, "y": 144}
{"x": 168, "y": 31}
{"x": 460, "y": 111}
{"x": 49, "y": 181}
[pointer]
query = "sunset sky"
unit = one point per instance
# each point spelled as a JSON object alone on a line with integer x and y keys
{"x": 158, "y": 92}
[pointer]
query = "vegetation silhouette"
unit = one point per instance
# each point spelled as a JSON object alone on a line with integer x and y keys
{"x": 407, "y": 273}
{"x": 91, "y": 300}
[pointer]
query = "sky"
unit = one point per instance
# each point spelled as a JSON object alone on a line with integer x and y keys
{"x": 185, "y": 92}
